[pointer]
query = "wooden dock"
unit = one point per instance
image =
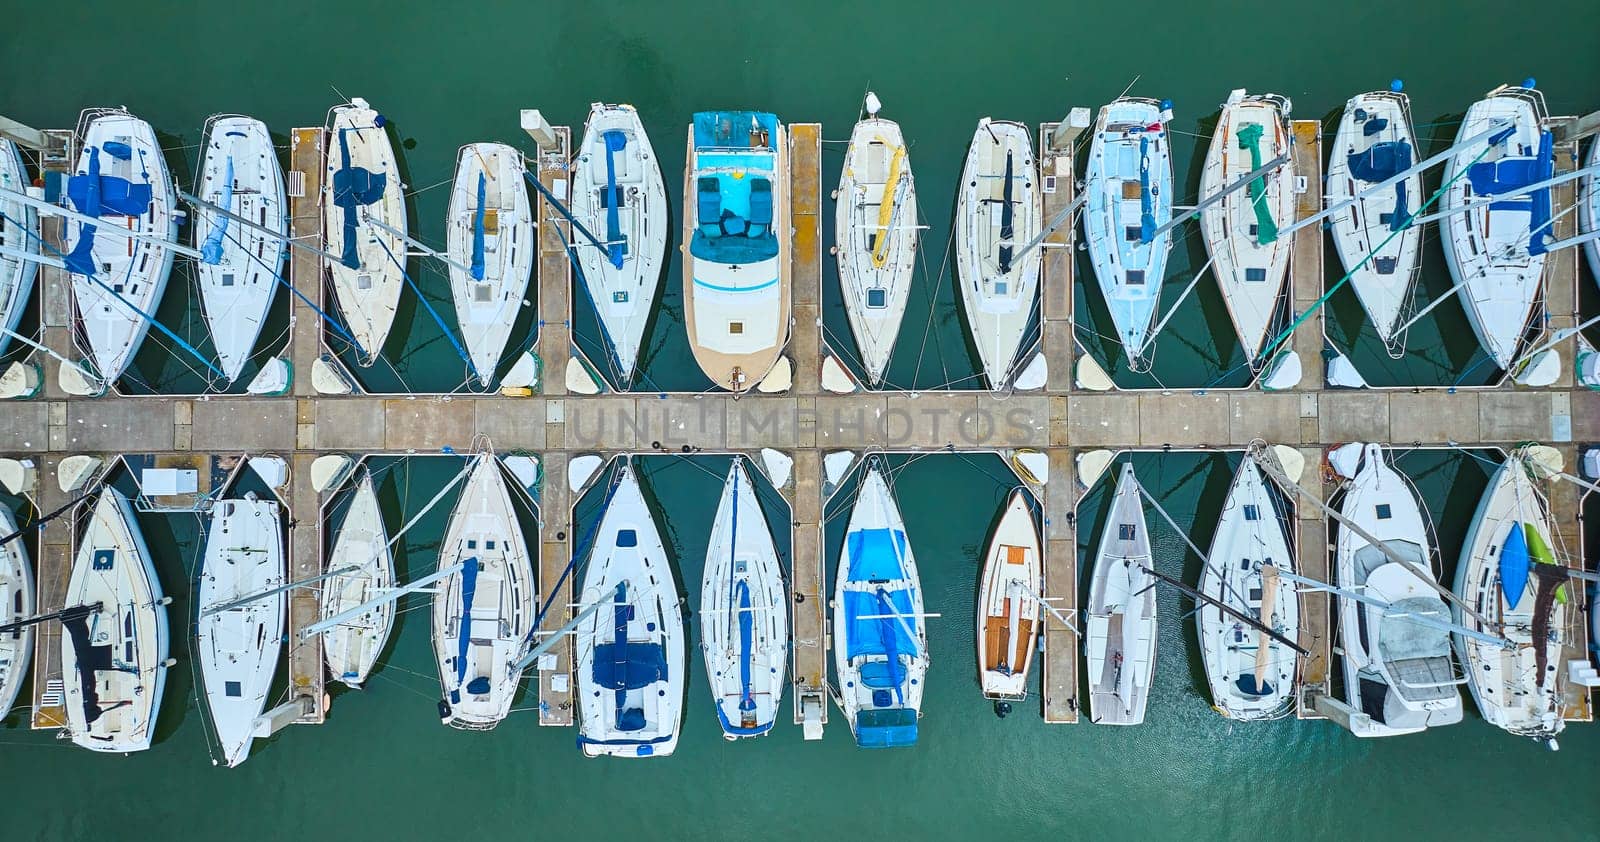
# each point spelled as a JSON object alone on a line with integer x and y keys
{"x": 1059, "y": 679}
{"x": 1058, "y": 177}
{"x": 805, "y": 272}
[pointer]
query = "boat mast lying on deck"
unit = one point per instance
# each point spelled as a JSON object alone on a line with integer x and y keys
{"x": 32, "y": 257}
{"x": 1218, "y": 196}
{"x": 63, "y": 615}
{"x": 49, "y": 209}
{"x": 427, "y": 251}
{"x": 274, "y": 591}
{"x": 1524, "y": 190}
{"x": 617, "y": 598}
{"x": 389, "y": 596}
{"x": 1425, "y": 618}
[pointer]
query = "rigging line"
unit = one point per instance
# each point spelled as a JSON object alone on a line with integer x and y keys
{"x": 437, "y": 319}
{"x": 277, "y": 275}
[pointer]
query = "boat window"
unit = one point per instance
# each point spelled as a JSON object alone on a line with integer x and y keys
{"x": 735, "y": 328}
{"x": 1131, "y": 233}
{"x": 488, "y": 545}
{"x": 482, "y": 293}
{"x": 1126, "y": 531}
{"x": 999, "y": 287}
{"x": 104, "y": 559}
{"x": 619, "y": 297}
{"x": 1255, "y": 594}
{"x": 227, "y": 279}
{"x": 232, "y": 689}
{"x": 117, "y": 288}
{"x": 1252, "y": 512}
{"x": 363, "y": 281}
{"x": 472, "y": 543}
{"x": 1252, "y": 230}
{"x": 1255, "y": 275}
{"x": 872, "y": 242}
{"x": 877, "y": 298}
{"x": 627, "y": 538}
{"x": 1384, "y": 511}
{"x": 1135, "y": 277}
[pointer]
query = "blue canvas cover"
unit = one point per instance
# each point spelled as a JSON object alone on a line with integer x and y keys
{"x": 211, "y": 249}
{"x": 477, "y": 228}
{"x": 875, "y": 555}
{"x": 1381, "y": 162}
{"x": 746, "y": 654}
{"x": 732, "y": 129}
{"x": 1497, "y": 178}
{"x": 353, "y": 187}
{"x": 886, "y": 728}
{"x": 469, "y": 589}
{"x": 1515, "y": 562}
{"x": 1147, "y": 215}
{"x": 93, "y": 194}
{"x": 616, "y": 245}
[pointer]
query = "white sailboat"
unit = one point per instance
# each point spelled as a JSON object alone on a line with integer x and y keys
{"x": 1510, "y": 576}
{"x": 1397, "y": 672}
{"x": 1374, "y": 143}
{"x": 238, "y": 647}
{"x": 998, "y": 211}
{"x": 1129, "y": 190}
{"x": 482, "y": 614}
{"x": 491, "y": 233}
{"x": 880, "y": 635}
{"x": 362, "y": 542}
{"x": 1252, "y": 675}
{"x": 630, "y": 659}
{"x": 19, "y": 236}
{"x": 114, "y": 659}
{"x": 875, "y": 237}
{"x": 16, "y": 603}
{"x": 362, "y": 181}
{"x": 1120, "y": 638}
{"x": 1494, "y": 253}
{"x": 744, "y": 613}
{"x": 240, "y": 266}
{"x": 1248, "y": 258}
{"x": 619, "y": 195}
{"x": 121, "y": 180}
{"x": 1008, "y": 603}
{"x": 1588, "y": 211}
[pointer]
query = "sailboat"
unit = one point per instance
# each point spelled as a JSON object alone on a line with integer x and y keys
{"x": 875, "y": 233}
{"x": 1252, "y": 675}
{"x": 736, "y": 237}
{"x": 362, "y": 182}
{"x": 630, "y": 659}
{"x": 1120, "y": 638}
{"x": 1588, "y": 212}
{"x": 1396, "y": 671}
{"x": 114, "y": 658}
{"x": 240, "y": 266}
{"x": 19, "y": 237}
{"x": 238, "y": 647}
{"x": 16, "y": 603}
{"x": 880, "y": 636}
{"x": 744, "y": 613}
{"x": 619, "y": 195}
{"x": 1129, "y": 190}
{"x": 362, "y": 542}
{"x": 1374, "y": 143}
{"x": 998, "y": 211}
{"x": 491, "y": 233}
{"x": 1248, "y": 258}
{"x": 1008, "y": 603}
{"x": 121, "y": 180}
{"x": 1509, "y": 575}
{"x": 1496, "y": 251}
{"x": 483, "y": 614}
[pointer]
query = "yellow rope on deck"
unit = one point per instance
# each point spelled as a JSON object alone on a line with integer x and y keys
{"x": 880, "y": 252}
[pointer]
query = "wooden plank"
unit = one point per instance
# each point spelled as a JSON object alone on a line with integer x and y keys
{"x": 1058, "y": 175}
{"x": 54, "y": 567}
{"x": 306, "y": 672}
{"x": 1061, "y": 644}
{"x": 306, "y": 148}
{"x": 555, "y": 507}
{"x": 805, "y": 185}
{"x": 1316, "y": 629}
{"x": 1305, "y": 253}
{"x": 809, "y": 609}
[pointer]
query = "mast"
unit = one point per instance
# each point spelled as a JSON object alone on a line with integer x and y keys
{"x": 65, "y": 614}
{"x": 555, "y": 636}
{"x": 274, "y": 591}
{"x": 410, "y": 587}
{"x": 49, "y": 209}
{"x": 1426, "y": 619}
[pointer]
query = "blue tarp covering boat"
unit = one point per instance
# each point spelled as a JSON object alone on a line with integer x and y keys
{"x": 1515, "y": 562}
{"x": 353, "y": 187}
{"x": 1497, "y": 178}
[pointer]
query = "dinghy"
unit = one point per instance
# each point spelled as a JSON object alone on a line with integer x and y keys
{"x": 1588, "y": 213}
{"x": 1120, "y": 641}
{"x": 491, "y": 233}
{"x": 117, "y": 282}
{"x": 736, "y": 261}
{"x": 238, "y": 647}
{"x": 1375, "y": 142}
{"x": 113, "y": 653}
{"x": 1248, "y": 258}
{"x": 1397, "y": 672}
{"x": 482, "y": 614}
{"x": 239, "y": 266}
{"x": 1496, "y": 251}
{"x": 362, "y": 542}
{"x": 1509, "y": 575}
{"x": 1251, "y": 674}
{"x": 619, "y": 195}
{"x": 16, "y": 603}
{"x": 875, "y": 234}
{"x": 19, "y": 238}
{"x": 361, "y": 183}
{"x": 744, "y": 613}
{"x": 630, "y": 653}
{"x": 998, "y": 211}
{"x": 1129, "y": 195}
{"x": 1008, "y": 603}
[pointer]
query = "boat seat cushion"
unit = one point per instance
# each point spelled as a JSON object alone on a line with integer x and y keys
{"x": 882, "y": 674}
{"x": 709, "y": 205}
{"x": 760, "y": 206}
{"x": 631, "y": 719}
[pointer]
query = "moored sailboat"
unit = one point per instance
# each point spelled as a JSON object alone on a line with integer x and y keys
{"x": 875, "y": 236}
{"x": 362, "y": 182}
{"x": 1008, "y": 603}
{"x": 19, "y": 240}
{"x": 491, "y": 233}
{"x": 1120, "y": 634}
{"x": 16, "y": 603}
{"x": 361, "y": 542}
{"x": 998, "y": 211}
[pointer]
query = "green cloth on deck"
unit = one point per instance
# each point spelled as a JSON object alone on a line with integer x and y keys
{"x": 1266, "y": 227}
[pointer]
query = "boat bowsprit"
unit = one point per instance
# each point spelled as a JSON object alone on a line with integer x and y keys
{"x": 361, "y": 542}
{"x": 875, "y": 232}
{"x": 619, "y": 195}
{"x": 19, "y": 237}
{"x": 16, "y": 603}
{"x": 491, "y": 233}
{"x": 998, "y": 211}
{"x": 1120, "y": 634}
{"x": 240, "y": 266}
{"x": 121, "y": 180}
{"x": 736, "y": 258}
{"x": 362, "y": 182}
{"x": 1009, "y": 603}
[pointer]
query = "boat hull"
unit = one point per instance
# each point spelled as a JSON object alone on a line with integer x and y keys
{"x": 238, "y": 648}
{"x": 875, "y": 219}
{"x": 1128, "y": 186}
{"x": 370, "y": 272}
{"x": 999, "y": 284}
{"x": 1120, "y": 624}
{"x": 16, "y": 275}
{"x": 16, "y": 603}
{"x": 352, "y": 647}
{"x": 490, "y": 295}
{"x": 1008, "y": 603}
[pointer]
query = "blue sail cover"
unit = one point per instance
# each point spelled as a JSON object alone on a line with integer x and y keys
{"x": 746, "y": 649}
{"x": 875, "y": 555}
{"x": 477, "y": 229}
{"x": 211, "y": 249}
{"x": 352, "y": 188}
{"x": 469, "y": 589}
{"x": 887, "y": 636}
{"x": 616, "y": 244}
{"x": 1515, "y": 563}
{"x": 623, "y": 665}
{"x": 1381, "y": 162}
{"x": 1147, "y": 216}
{"x": 1497, "y": 178}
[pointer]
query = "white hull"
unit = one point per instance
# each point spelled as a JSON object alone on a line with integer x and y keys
{"x": 1008, "y": 603}
{"x": 1129, "y": 194}
{"x": 624, "y": 296}
{"x": 1120, "y": 633}
{"x": 1249, "y": 263}
{"x": 241, "y": 265}
{"x": 999, "y": 285}
{"x": 1374, "y": 141}
{"x": 1588, "y": 213}
{"x": 113, "y": 661}
{"x": 489, "y": 297}
{"x": 370, "y": 274}
{"x": 16, "y": 603}
{"x": 16, "y": 275}
{"x": 352, "y": 648}
{"x": 744, "y": 613}
{"x": 238, "y": 648}
{"x": 1251, "y": 674}
{"x": 630, "y": 658}
{"x": 875, "y": 219}
{"x": 483, "y": 614}
{"x": 130, "y": 276}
